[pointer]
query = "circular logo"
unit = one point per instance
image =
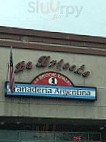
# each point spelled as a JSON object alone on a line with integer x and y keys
{"x": 52, "y": 81}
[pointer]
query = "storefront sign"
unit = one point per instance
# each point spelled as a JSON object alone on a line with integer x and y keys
{"x": 44, "y": 61}
{"x": 52, "y": 84}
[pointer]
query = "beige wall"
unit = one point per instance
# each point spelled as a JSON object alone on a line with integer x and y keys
{"x": 54, "y": 108}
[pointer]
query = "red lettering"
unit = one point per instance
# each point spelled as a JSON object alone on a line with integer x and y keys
{"x": 72, "y": 68}
{"x": 52, "y": 63}
{"x": 20, "y": 67}
{"x": 29, "y": 65}
{"x": 43, "y": 61}
{"x": 82, "y": 67}
{"x": 59, "y": 64}
{"x": 80, "y": 70}
{"x": 86, "y": 74}
{"x": 66, "y": 66}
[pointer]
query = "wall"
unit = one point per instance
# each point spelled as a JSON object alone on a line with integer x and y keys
{"x": 54, "y": 108}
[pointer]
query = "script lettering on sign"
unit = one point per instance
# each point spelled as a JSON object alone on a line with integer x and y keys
{"x": 44, "y": 61}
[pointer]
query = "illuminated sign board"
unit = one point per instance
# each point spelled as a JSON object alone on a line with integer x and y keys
{"x": 52, "y": 91}
{"x": 52, "y": 84}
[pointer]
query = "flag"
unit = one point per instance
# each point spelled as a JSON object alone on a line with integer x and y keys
{"x": 12, "y": 78}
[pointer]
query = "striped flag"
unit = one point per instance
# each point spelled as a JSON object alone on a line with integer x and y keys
{"x": 12, "y": 78}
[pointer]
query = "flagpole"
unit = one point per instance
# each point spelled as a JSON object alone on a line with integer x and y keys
{"x": 11, "y": 70}
{"x": 7, "y": 76}
{"x": 7, "y": 65}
